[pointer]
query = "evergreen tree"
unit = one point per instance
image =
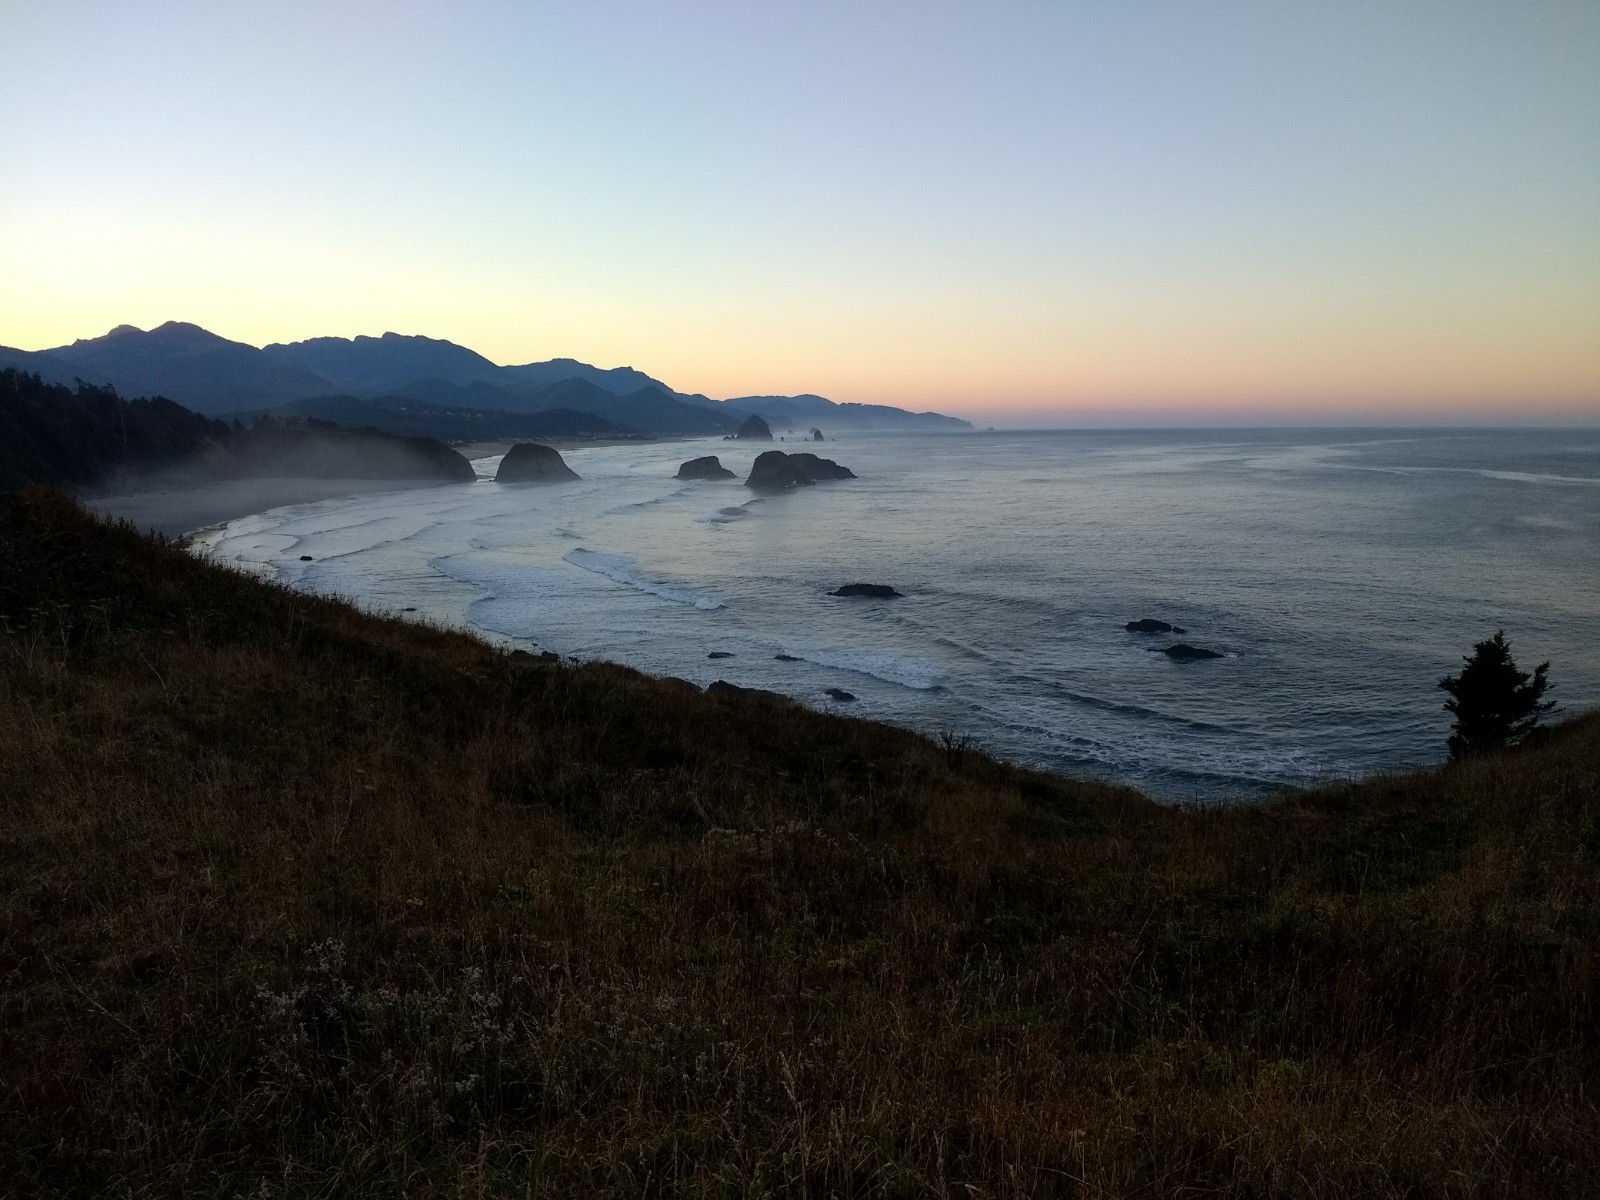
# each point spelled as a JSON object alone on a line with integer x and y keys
{"x": 1494, "y": 704}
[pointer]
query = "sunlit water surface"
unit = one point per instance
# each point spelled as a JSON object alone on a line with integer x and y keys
{"x": 1340, "y": 573}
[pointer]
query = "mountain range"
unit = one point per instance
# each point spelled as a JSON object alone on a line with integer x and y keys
{"x": 404, "y": 383}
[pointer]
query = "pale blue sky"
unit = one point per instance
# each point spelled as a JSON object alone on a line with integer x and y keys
{"x": 1021, "y": 210}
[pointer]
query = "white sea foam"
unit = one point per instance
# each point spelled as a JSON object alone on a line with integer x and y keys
{"x": 623, "y": 569}
{"x": 1028, "y": 553}
{"x": 919, "y": 674}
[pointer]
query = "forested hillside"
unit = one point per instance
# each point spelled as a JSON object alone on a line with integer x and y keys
{"x": 89, "y": 437}
{"x": 82, "y": 435}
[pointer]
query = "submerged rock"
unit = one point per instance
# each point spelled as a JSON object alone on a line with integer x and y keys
{"x": 875, "y": 591}
{"x": 787, "y": 657}
{"x": 774, "y": 470}
{"x": 722, "y": 687}
{"x": 709, "y": 467}
{"x": 1183, "y": 650}
{"x": 720, "y": 654}
{"x": 754, "y": 429}
{"x": 530, "y": 462}
{"x": 840, "y": 694}
{"x": 1151, "y": 625}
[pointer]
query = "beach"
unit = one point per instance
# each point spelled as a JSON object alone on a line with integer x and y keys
{"x": 175, "y": 511}
{"x": 1326, "y": 569}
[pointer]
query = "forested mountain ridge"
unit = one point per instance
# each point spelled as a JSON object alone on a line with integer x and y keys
{"x": 219, "y": 377}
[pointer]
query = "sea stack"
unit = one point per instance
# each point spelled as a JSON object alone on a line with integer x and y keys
{"x": 530, "y": 462}
{"x": 774, "y": 470}
{"x": 816, "y": 436}
{"x": 709, "y": 467}
{"x": 754, "y": 429}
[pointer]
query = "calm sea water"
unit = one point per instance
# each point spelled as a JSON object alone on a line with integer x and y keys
{"x": 1339, "y": 573}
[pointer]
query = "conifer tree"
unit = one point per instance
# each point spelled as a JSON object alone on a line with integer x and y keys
{"x": 1494, "y": 704}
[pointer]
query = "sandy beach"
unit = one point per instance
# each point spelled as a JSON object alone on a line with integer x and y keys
{"x": 174, "y": 511}
{"x": 177, "y": 510}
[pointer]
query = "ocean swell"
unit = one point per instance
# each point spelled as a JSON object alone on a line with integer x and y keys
{"x": 621, "y": 568}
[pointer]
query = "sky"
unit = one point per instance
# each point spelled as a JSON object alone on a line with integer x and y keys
{"x": 1023, "y": 213}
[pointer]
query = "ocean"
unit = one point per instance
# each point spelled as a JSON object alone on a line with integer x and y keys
{"x": 1338, "y": 573}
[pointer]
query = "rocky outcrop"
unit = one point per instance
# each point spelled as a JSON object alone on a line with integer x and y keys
{"x": 754, "y": 429}
{"x": 722, "y": 687}
{"x": 530, "y": 462}
{"x": 874, "y": 591}
{"x": 1184, "y": 651}
{"x": 774, "y": 471}
{"x": 816, "y": 436}
{"x": 709, "y": 467}
{"x": 1151, "y": 625}
{"x": 720, "y": 654}
{"x": 840, "y": 694}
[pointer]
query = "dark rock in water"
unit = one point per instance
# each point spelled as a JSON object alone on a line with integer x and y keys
{"x": 1151, "y": 625}
{"x": 722, "y": 687}
{"x": 550, "y": 656}
{"x": 1185, "y": 651}
{"x": 408, "y": 610}
{"x": 754, "y": 429}
{"x": 704, "y": 468}
{"x": 786, "y": 657}
{"x": 815, "y": 470}
{"x": 816, "y": 436}
{"x": 774, "y": 470}
{"x": 530, "y": 462}
{"x": 305, "y": 558}
{"x": 720, "y": 654}
{"x": 875, "y": 591}
{"x": 840, "y": 694}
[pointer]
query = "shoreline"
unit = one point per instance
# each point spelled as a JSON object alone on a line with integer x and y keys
{"x": 175, "y": 510}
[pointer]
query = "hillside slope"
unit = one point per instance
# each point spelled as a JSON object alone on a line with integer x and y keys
{"x": 301, "y": 900}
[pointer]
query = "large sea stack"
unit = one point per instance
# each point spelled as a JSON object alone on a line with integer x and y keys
{"x": 709, "y": 467}
{"x": 529, "y": 462}
{"x": 754, "y": 429}
{"x": 774, "y": 470}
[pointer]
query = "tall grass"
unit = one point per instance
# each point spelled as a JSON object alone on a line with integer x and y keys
{"x": 300, "y": 901}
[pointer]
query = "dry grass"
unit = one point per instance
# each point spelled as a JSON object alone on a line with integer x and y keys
{"x": 296, "y": 901}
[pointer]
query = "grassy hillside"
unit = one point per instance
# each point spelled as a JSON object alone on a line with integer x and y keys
{"x": 298, "y": 901}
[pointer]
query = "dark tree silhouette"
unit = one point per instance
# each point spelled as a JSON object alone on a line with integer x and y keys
{"x": 1494, "y": 704}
